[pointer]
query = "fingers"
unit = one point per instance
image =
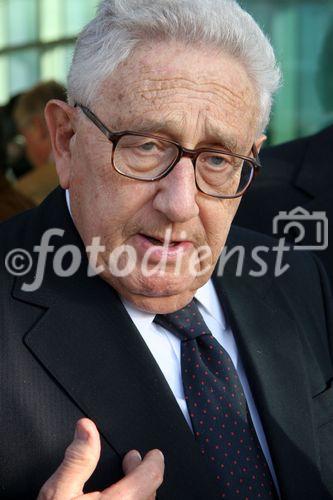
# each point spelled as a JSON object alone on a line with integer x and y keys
{"x": 143, "y": 480}
{"x": 131, "y": 460}
{"x": 143, "y": 477}
{"x": 81, "y": 458}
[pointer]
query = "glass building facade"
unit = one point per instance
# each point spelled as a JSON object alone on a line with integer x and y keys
{"x": 301, "y": 32}
{"x": 37, "y": 38}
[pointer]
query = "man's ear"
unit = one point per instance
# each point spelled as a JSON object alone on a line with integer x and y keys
{"x": 260, "y": 141}
{"x": 60, "y": 121}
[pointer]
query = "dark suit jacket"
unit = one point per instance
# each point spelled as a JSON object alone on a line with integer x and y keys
{"x": 298, "y": 173}
{"x": 70, "y": 349}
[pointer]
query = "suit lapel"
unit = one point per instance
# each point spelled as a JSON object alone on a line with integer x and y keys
{"x": 270, "y": 350}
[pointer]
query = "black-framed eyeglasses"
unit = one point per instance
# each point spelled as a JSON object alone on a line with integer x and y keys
{"x": 148, "y": 157}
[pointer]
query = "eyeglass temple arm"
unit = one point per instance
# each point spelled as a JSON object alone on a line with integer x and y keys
{"x": 96, "y": 121}
{"x": 256, "y": 157}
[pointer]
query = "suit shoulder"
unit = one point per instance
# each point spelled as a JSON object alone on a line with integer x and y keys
{"x": 294, "y": 150}
{"x": 302, "y": 267}
{"x": 248, "y": 237}
{"x": 289, "y": 152}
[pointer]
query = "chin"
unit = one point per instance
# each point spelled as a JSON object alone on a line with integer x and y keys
{"x": 157, "y": 294}
{"x": 157, "y": 285}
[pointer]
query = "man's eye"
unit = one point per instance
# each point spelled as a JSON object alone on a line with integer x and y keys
{"x": 215, "y": 161}
{"x": 148, "y": 146}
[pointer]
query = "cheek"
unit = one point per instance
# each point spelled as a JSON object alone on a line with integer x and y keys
{"x": 107, "y": 204}
{"x": 216, "y": 218}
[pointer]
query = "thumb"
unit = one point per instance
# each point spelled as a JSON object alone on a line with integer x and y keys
{"x": 80, "y": 461}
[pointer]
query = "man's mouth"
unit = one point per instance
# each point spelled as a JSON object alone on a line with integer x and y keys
{"x": 159, "y": 241}
{"x": 158, "y": 247}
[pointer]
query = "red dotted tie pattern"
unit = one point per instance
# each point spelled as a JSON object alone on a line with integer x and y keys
{"x": 217, "y": 406}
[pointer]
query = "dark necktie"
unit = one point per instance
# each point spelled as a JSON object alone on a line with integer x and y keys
{"x": 217, "y": 406}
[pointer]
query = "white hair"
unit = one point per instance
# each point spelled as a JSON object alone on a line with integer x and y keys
{"x": 120, "y": 25}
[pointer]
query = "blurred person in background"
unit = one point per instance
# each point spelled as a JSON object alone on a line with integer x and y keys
{"x": 11, "y": 201}
{"x": 15, "y": 162}
{"x": 30, "y": 121}
{"x": 297, "y": 174}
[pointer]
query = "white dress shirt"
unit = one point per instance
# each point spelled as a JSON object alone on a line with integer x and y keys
{"x": 165, "y": 347}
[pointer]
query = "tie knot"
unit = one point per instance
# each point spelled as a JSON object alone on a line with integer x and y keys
{"x": 186, "y": 324}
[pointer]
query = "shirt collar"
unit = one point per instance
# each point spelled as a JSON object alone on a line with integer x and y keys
{"x": 68, "y": 201}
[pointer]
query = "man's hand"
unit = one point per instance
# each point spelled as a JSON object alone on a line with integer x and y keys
{"x": 142, "y": 477}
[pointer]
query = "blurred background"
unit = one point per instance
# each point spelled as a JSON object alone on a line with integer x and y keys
{"x": 301, "y": 32}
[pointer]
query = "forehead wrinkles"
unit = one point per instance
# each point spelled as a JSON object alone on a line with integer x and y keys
{"x": 186, "y": 83}
{"x": 210, "y": 91}
{"x": 156, "y": 94}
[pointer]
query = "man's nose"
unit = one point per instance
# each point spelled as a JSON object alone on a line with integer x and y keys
{"x": 177, "y": 193}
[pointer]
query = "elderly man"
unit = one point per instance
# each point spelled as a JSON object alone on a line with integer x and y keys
{"x": 124, "y": 320}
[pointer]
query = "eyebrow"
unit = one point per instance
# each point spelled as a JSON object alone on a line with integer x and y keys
{"x": 215, "y": 136}
{"x": 220, "y": 135}
{"x": 150, "y": 126}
